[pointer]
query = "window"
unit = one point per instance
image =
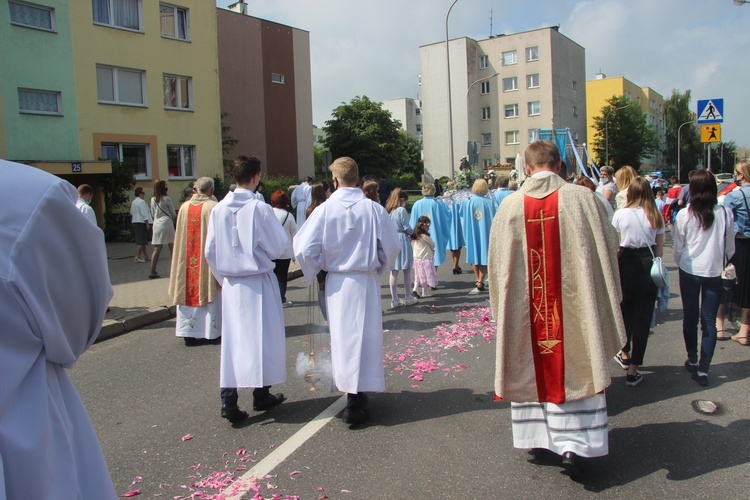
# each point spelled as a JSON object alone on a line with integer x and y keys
{"x": 174, "y": 22}
{"x": 511, "y": 137}
{"x": 181, "y": 161}
{"x": 575, "y": 85}
{"x": 532, "y": 135}
{"x": 32, "y": 16}
{"x": 532, "y": 81}
{"x": 486, "y": 113}
{"x": 417, "y": 111}
{"x": 510, "y": 84}
{"x": 484, "y": 62}
{"x": 178, "y": 92}
{"x": 509, "y": 58}
{"x": 486, "y": 139}
{"x": 487, "y": 162}
{"x": 40, "y": 102}
{"x": 120, "y": 86}
{"x": 419, "y": 127}
{"x": 118, "y": 13}
{"x": 485, "y": 88}
{"x": 135, "y": 155}
{"x": 575, "y": 110}
{"x": 511, "y": 110}
{"x": 532, "y": 54}
{"x": 277, "y": 78}
{"x": 535, "y": 108}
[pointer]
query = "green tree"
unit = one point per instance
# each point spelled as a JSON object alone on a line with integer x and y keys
{"x": 115, "y": 189}
{"x": 677, "y": 112}
{"x": 622, "y": 129}
{"x": 723, "y": 156}
{"x": 227, "y": 145}
{"x": 363, "y": 130}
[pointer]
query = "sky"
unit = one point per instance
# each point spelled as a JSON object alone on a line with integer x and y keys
{"x": 371, "y": 47}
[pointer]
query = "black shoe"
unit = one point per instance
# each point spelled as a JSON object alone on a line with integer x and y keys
{"x": 190, "y": 341}
{"x": 416, "y": 294}
{"x": 543, "y": 455}
{"x": 691, "y": 367}
{"x": 572, "y": 465}
{"x": 233, "y": 414}
{"x": 457, "y": 270}
{"x": 633, "y": 380}
{"x": 269, "y": 402}
{"x": 355, "y": 416}
{"x": 701, "y": 379}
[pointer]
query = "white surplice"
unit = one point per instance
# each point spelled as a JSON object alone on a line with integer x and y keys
{"x": 54, "y": 287}
{"x": 301, "y": 199}
{"x": 355, "y": 240}
{"x": 244, "y": 236}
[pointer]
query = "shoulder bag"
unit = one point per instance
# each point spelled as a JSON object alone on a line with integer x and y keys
{"x": 659, "y": 274}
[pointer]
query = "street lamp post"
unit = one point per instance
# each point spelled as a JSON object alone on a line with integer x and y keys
{"x": 606, "y": 132}
{"x": 679, "y": 151}
{"x": 480, "y": 80}
{"x": 450, "y": 104}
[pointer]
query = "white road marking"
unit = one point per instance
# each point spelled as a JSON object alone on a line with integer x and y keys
{"x": 242, "y": 485}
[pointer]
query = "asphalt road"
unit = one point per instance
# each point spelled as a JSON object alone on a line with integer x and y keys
{"x": 436, "y": 434}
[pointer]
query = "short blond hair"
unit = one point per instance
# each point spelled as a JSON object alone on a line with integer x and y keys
{"x": 542, "y": 154}
{"x": 428, "y": 189}
{"x": 480, "y": 187}
{"x": 345, "y": 169}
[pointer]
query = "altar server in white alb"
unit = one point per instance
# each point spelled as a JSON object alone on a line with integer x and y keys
{"x": 355, "y": 240}
{"x": 301, "y": 199}
{"x": 244, "y": 237}
{"x": 54, "y": 290}
{"x": 555, "y": 294}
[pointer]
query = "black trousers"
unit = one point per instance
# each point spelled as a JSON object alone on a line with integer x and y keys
{"x": 282, "y": 273}
{"x": 638, "y": 299}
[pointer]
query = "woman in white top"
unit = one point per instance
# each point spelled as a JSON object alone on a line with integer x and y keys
{"x": 164, "y": 214}
{"x": 280, "y": 203}
{"x": 703, "y": 243}
{"x": 640, "y": 226}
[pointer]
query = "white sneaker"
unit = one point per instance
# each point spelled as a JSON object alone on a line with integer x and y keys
{"x": 396, "y": 304}
{"x": 410, "y": 301}
{"x": 426, "y": 292}
{"x": 474, "y": 291}
{"x": 288, "y": 303}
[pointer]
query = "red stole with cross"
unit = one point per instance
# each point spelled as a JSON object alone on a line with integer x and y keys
{"x": 545, "y": 295}
{"x": 193, "y": 251}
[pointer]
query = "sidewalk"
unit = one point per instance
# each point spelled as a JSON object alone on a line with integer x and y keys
{"x": 138, "y": 300}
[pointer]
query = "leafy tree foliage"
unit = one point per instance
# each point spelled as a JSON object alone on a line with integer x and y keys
{"x": 630, "y": 136}
{"x": 115, "y": 189}
{"x": 227, "y": 145}
{"x": 723, "y": 156}
{"x": 677, "y": 112}
{"x": 363, "y": 130}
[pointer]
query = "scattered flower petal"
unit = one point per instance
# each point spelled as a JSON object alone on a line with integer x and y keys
{"x": 187, "y": 437}
{"x": 131, "y": 493}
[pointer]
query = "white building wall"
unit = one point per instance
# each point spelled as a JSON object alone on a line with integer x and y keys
{"x": 408, "y": 112}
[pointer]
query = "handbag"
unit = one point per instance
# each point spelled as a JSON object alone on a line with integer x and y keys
{"x": 659, "y": 274}
{"x": 729, "y": 273}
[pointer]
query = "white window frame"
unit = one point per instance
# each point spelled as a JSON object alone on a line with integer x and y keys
{"x": 486, "y": 113}
{"x": 513, "y": 108}
{"x": 530, "y": 81}
{"x": 59, "y": 111}
{"x": 486, "y": 139}
{"x": 179, "y": 96}
{"x": 49, "y": 10}
{"x": 513, "y": 135}
{"x": 485, "y": 88}
{"x": 532, "y": 54}
{"x": 418, "y": 127}
{"x": 534, "y": 104}
{"x": 487, "y": 162}
{"x": 484, "y": 62}
{"x": 111, "y": 23}
{"x": 532, "y": 134}
{"x": 509, "y": 57}
{"x": 146, "y": 147}
{"x": 182, "y": 148}
{"x": 116, "y": 89}
{"x": 175, "y": 17}
{"x": 513, "y": 84}
{"x": 277, "y": 78}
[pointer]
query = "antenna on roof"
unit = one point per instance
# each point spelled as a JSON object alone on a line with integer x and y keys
{"x": 490, "y": 23}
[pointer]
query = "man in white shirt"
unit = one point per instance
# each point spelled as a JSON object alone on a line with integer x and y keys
{"x": 301, "y": 199}
{"x": 244, "y": 237}
{"x": 140, "y": 216}
{"x": 54, "y": 288}
{"x": 85, "y": 193}
{"x": 355, "y": 240}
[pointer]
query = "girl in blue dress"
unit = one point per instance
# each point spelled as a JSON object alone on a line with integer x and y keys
{"x": 395, "y": 206}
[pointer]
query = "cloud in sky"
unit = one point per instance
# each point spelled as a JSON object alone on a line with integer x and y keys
{"x": 371, "y": 47}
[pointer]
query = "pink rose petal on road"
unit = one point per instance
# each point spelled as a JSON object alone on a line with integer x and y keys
{"x": 131, "y": 493}
{"x": 294, "y": 473}
{"x": 187, "y": 437}
{"x": 241, "y": 451}
{"x": 415, "y": 386}
{"x": 345, "y": 491}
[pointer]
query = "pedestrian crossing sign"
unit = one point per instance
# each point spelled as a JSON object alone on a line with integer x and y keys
{"x": 711, "y": 111}
{"x": 711, "y": 132}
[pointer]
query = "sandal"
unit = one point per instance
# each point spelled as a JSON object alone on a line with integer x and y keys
{"x": 741, "y": 340}
{"x": 720, "y": 335}
{"x": 480, "y": 286}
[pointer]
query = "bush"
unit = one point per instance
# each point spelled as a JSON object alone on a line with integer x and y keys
{"x": 115, "y": 188}
{"x": 273, "y": 184}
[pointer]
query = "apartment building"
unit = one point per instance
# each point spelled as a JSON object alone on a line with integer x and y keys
{"x": 266, "y": 89}
{"x": 502, "y": 90}
{"x": 651, "y": 102}
{"x": 131, "y": 80}
{"x": 409, "y": 112}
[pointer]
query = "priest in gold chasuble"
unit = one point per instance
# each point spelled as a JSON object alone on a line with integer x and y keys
{"x": 555, "y": 294}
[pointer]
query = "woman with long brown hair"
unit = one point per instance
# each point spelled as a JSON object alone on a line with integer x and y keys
{"x": 703, "y": 243}
{"x": 640, "y": 227}
{"x": 624, "y": 176}
{"x": 396, "y": 208}
{"x": 371, "y": 190}
{"x": 164, "y": 214}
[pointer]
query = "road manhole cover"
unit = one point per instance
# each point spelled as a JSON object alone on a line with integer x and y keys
{"x": 705, "y": 406}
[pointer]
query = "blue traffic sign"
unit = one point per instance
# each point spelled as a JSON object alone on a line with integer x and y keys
{"x": 711, "y": 111}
